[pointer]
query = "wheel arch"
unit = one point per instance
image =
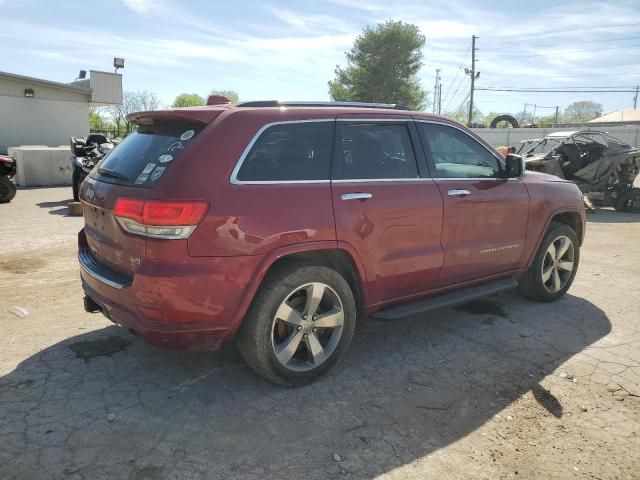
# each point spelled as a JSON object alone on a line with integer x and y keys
{"x": 328, "y": 254}
{"x": 572, "y": 218}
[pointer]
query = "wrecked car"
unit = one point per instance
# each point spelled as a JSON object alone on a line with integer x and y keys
{"x": 603, "y": 167}
{"x": 85, "y": 153}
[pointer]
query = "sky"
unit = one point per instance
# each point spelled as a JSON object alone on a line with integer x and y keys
{"x": 289, "y": 49}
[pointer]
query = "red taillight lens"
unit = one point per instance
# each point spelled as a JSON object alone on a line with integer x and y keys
{"x": 164, "y": 220}
{"x": 160, "y": 213}
{"x": 129, "y": 208}
{"x": 173, "y": 213}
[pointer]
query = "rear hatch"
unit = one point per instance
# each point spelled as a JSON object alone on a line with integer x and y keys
{"x": 125, "y": 180}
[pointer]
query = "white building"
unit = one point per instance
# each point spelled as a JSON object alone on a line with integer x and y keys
{"x": 40, "y": 112}
{"x": 619, "y": 117}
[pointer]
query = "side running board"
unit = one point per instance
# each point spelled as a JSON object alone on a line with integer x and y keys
{"x": 444, "y": 300}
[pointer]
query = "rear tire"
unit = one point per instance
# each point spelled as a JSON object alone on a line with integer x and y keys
{"x": 554, "y": 267}
{"x": 320, "y": 312}
{"x": 7, "y": 190}
{"x": 629, "y": 202}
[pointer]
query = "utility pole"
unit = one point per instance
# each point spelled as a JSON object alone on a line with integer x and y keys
{"x": 635, "y": 98}
{"x": 472, "y": 73}
{"x": 436, "y": 91}
{"x": 440, "y": 99}
{"x": 557, "y": 107}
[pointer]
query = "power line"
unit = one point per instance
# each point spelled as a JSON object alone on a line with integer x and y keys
{"x": 577, "y": 87}
{"x": 547, "y": 54}
{"x": 558, "y": 31}
{"x": 451, "y": 86}
{"x": 555, "y": 43}
{"x": 490, "y": 89}
{"x": 464, "y": 100}
{"x": 599, "y": 75}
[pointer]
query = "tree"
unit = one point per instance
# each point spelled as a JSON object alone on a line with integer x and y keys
{"x": 188, "y": 100}
{"x": 488, "y": 118}
{"x": 462, "y": 114}
{"x": 546, "y": 122}
{"x": 582, "y": 111}
{"x": 230, "y": 94}
{"x": 96, "y": 119}
{"x": 382, "y": 66}
{"x": 138, "y": 101}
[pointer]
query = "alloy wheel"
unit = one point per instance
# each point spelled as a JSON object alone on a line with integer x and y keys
{"x": 558, "y": 264}
{"x": 307, "y": 327}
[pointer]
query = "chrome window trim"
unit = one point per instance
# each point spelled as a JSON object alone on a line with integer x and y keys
{"x": 492, "y": 152}
{"x": 475, "y": 178}
{"x": 233, "y": 179}
{"x": 374, "y": 120}
{"x": 399, "y": 179}
{"x": 372, "y": 180}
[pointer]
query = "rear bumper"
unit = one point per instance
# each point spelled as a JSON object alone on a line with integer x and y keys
{"x": 191, "y": 305}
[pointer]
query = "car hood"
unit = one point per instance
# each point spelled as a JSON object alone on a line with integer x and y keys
{"x": 545, "y": 177}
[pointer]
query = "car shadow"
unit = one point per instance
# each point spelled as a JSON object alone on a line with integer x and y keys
{"x": 63, "y": 210}
{"x": 609, "y": 215}
{"x": 58, "y": 203}
{"x": 105, "y": 404}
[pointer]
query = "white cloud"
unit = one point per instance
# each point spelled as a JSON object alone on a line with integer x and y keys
{"x": 292, "y": 51}
{"x": 138, "y": 6}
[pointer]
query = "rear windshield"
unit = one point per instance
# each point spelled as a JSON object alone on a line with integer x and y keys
{"x": 144, "y": 156}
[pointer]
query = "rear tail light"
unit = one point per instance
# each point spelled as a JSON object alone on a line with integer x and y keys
{"x": 157, "y": 219}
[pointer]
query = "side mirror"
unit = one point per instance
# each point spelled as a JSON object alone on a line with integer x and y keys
{"x": 514, "y": 166}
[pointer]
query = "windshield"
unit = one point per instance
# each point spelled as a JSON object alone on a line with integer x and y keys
{"x": 144, "y": 156}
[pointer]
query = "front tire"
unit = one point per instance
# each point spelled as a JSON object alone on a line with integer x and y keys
{"x": 554, "y": 267}
{"x": 299, "y": 325}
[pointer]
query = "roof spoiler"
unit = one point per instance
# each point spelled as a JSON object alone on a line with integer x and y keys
{"x": 189, "y": 115}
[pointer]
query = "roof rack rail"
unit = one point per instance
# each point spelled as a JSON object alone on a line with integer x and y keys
{"x": 278, "y": 103}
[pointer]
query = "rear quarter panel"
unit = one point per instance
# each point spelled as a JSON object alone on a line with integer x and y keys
{"x": 248, "y": 219}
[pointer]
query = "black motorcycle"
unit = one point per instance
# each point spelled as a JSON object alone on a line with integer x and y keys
{"x": 85, "y": 153}
{"x": 7, "y": 172}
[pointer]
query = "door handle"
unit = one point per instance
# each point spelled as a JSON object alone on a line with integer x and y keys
{"x": 458, "y": 193}
{"x": 355, "y": 196}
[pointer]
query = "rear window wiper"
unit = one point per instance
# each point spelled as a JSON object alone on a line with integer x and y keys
{"x": 110, "y": 173}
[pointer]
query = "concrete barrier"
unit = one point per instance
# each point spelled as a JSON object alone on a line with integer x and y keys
{"x": 39, "y": 166}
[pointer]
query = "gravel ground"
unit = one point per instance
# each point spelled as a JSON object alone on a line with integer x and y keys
{"x": 499, "y": 388}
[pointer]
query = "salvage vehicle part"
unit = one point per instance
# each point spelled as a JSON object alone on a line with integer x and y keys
{"x": 603, "y": 167}
{"x": 503, "y": 120}
{"x": 7, "y": 172}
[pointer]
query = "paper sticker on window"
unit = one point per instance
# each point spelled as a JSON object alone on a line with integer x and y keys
{"x": 165, "y": 158}
{"x": 187, "y": 135}
{"x": 148, "y": 168}
{"x": 157, "y": 173}
{"x": 142, "y": 178}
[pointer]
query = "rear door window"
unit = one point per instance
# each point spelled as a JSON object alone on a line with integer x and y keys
{"x": 144, "y": 156}
{"x": 374, "y": 151}
{"x": 290, "y": 152}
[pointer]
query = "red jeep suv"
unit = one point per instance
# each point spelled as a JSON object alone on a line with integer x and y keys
{"x": 280, "y": 224}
